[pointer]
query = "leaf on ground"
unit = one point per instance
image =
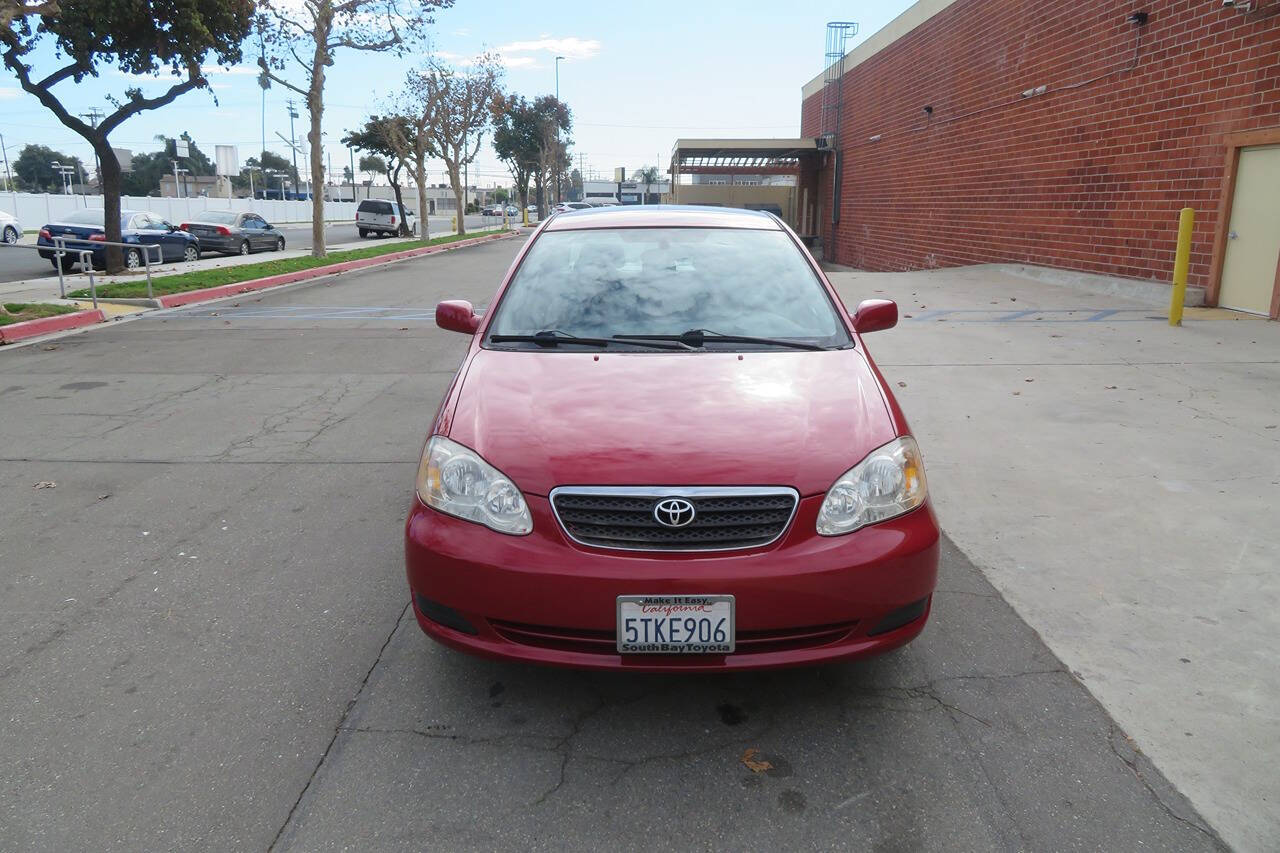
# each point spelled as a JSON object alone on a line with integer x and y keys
{"x": 754, "y": 764}
{"x": 46, "y": 484}
{"x": 902, "y": 385}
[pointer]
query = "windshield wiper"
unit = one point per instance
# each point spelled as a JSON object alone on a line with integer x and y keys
{"x": 699, "y": 337}
{"x": 554, "y": 337}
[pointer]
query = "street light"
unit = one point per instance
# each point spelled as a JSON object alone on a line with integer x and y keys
{"x": 558, "y": 198}
{"x": 64, "y": 172}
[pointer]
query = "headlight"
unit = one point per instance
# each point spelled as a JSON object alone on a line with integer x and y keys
{"x": 455, "y": 480}
{"x": 889, "y": 482}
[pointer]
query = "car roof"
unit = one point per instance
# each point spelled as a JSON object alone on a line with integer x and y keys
{"x": 662, "y": 216}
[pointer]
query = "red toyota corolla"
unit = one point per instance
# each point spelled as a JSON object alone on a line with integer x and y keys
{"x": 668, "y": 449}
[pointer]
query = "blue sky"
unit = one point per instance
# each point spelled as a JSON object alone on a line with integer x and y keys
{"x": 636, "y": 76}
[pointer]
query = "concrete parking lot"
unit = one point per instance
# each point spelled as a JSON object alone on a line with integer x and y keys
{"x": 205, "y": 639}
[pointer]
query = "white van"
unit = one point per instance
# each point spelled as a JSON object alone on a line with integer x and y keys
{"x": 381, "y": 217}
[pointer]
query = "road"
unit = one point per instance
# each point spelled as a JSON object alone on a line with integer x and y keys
{"x": 205, "y": 642}
{"x": 20, "y": 264}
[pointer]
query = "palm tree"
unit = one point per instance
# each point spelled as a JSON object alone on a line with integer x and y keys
{"x": 648, "y": 176}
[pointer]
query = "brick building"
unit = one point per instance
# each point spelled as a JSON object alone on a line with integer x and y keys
{"x": 1042, "y": 132}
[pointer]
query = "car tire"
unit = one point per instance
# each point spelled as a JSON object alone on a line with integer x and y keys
{"x": 132, "y": 259}
{"x": 10, "y": 235}
{"x": 364, "y": 232}
{"x": 244, "y": 247}
{"x": 191, "y": 254}
{"x": 67, "y": 263}
{"x": 279, "y": 244}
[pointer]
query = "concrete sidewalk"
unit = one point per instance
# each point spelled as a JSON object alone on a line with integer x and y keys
{"x": 1117, "y": 480}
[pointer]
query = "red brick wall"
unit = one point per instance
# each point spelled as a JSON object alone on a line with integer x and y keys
{"x": 1090, "y": 178}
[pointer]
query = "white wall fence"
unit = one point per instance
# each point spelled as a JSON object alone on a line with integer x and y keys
{"x": 35, "y": 209}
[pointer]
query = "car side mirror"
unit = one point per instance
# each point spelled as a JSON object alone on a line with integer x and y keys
{"x": 457, "y": 315}
{"x": 171, "y": 226}
{"x": 875, "y": 315}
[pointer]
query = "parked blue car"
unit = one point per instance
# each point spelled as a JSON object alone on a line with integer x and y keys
{"x": 84, "y": 230}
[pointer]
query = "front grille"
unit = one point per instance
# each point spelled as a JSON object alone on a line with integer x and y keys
{"x": 724, "y": 518}
{"x": 588, "y": 641}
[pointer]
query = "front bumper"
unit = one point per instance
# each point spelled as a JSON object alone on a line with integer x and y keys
{"x": 541, "y": 598}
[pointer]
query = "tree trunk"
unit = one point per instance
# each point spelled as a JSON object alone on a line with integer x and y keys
{"x": 420, "y": 158}
{"x": 315, "y": 106}
{"x": 393, "y": 178}
{"x": 111, "y": 178}
{"x": 455, "y": 181}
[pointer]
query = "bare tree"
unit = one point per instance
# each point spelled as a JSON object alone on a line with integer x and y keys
{"x": 460, "y": 105}
{"x": 412, "y": 139}
{"x": 305, "y": 35}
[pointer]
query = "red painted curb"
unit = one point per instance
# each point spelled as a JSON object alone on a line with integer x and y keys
{"x": 45, "y": 325}
{"x": 173, "y": 300}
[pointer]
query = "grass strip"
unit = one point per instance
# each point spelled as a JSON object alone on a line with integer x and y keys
{"x": 218, "y": 276}
{"x": 17, "y": 312}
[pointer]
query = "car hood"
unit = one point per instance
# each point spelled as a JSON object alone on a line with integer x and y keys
{"x": 550, "y": 419}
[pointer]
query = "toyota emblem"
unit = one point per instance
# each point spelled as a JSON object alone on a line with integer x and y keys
{"x": 674, "y": 512}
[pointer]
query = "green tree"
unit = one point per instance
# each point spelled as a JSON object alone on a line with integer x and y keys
{"x": 34, "y": 168}
{"x": 376, "y": 137}
{"x": 305, "y": 36}
{"x": 516, "y": 138}
{"x": 501, "y": 196}
{"x": 136, "y": 39}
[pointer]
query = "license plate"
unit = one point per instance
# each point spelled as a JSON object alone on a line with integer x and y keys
{"x": 675, "y": 624}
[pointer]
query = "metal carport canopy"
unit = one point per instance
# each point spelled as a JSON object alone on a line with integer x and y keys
{"x": 744, "y": 156}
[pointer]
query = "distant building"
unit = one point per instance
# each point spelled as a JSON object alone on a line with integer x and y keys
{"x": 625, "y": 192}
{"x": 188, "y": 186}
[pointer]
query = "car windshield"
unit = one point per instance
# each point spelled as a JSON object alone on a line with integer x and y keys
{"x": 222, "y": 217}
{"x": 602, "y": 282}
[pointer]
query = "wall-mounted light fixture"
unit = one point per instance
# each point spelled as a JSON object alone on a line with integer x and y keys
{"x": 928, "y": 109}
{"x": 1238, "y": 5}
{"x": 875, "y": 138}
{"x": 1138, "y": 19}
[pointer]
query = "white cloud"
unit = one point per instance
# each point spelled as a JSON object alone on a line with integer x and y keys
{"x": 570, "y": 47}
{"x": 7, "y": 93}
{"x": 519, "y": 62}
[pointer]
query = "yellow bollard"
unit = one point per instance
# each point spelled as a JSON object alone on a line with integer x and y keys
{"x": 1182, "y": 260}
{"x": 453, "y": 222}
{"x": 524, "y": 217}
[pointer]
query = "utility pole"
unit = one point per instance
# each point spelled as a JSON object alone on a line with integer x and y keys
{"x": 4, "y": 152}
{"x": 557, "y": 169}
{"x": 94, "y": 116}
{"x": 293, "y": 141}
{"x": 351, "y": 152}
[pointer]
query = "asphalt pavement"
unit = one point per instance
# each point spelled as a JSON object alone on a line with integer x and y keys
{"x": 20, "y": 264}
{"x": 205, "y": 641}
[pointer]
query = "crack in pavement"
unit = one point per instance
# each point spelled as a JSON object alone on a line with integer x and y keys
{"x": 1114, "y": 738}
{"x": 346, "y": 712}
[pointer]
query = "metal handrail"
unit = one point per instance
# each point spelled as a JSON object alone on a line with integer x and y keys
{"x": 86, "y": 257}
{"x": 86, "y": 260}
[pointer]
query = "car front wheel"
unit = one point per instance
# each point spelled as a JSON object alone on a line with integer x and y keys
{"x": 192, "y": 253}
{"x": 279, "y": 244}
{"x": 10, "y": 235}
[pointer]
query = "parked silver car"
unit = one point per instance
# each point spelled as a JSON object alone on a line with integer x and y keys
{"x": 12, "y": 231}
{"x": 234, "y": 233}
{"x": 375, "y": 216}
